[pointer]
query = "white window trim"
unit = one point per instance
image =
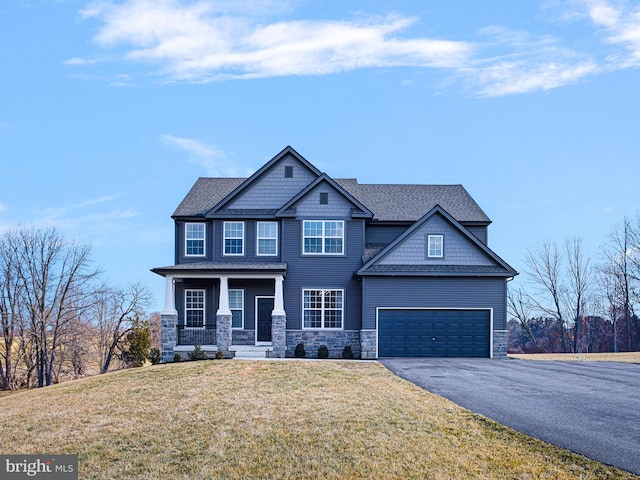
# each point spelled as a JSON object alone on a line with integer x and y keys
{"x": 341, "y": 290}
{"x": 204, "y": 308}
{"x": 225, "y": 238}
{"x": 241, "y": 308}
{"x": 258, "y": 238}
{"x": 341, "y": 254}
{"x": 441, "y": 239}
{"x": 204, "y": 240}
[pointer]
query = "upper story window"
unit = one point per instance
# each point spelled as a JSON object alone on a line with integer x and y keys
{"x": 322, "y": 308}
{"x": 267, "y": 241}
{"x": 194, "y": 308}
{"x": 323, "y": 237}
{"x": 234, "y": 238}
{"x": 194, "y": 239}
{"x": 236, "y": 305}
{"x": 435, "y": 246}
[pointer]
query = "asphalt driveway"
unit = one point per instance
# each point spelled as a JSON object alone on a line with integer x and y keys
{"x": 592, "y": 408}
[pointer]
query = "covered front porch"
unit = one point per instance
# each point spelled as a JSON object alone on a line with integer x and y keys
{"x": 225, "y": 309}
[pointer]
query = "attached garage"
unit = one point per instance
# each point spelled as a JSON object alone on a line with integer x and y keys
{"x": 413, "y": 332}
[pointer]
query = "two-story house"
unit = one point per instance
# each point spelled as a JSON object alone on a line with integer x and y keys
{"x": 291, "y": 255}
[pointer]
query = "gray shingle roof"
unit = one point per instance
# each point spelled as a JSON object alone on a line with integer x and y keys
{"x": 398, "y": 202}
{"x": 388, "y": 202}
{"x": 205, "y": 194}
{"x": 222, "y": 266}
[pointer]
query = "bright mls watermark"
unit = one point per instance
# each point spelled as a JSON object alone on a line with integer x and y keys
{"x": 50, "y": 467}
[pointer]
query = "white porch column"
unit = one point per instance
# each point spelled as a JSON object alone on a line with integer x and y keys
{"x": 278, "y": 303}
{"x": 169, "y": 297}
{"x": 223, "y": 302}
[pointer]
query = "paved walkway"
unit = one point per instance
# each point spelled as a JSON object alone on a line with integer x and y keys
{"x": 592, "y": 408}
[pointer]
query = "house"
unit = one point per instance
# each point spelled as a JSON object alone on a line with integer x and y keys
{"x": 291, "y": 255}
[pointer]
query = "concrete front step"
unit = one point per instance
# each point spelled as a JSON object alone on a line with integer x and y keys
{"x": 251, "y": 351}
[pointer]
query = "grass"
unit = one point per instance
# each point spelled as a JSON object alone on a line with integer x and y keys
{"x": 626, "y": 357}
{"x": 274, "y": 420}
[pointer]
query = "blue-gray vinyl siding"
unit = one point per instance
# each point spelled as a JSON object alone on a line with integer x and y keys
{"x": 322, "y": 272}
{"x": 458, "y": 249}
{"x": 384, "y": 234}
{"x": 480, "y": 232}
{"x": 214, "y": 243}
{"x": 273, "y": 189}
{"x": 434, "y": 292}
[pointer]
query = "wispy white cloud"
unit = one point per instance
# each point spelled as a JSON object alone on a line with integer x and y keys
{"x": 204, "y": 41}
{"x": 209, "y": 157}
{"x": 620, "y": 24}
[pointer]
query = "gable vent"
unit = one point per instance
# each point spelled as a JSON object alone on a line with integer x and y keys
{"x": 288, "y": 171}
{"x": 324, "y": 198}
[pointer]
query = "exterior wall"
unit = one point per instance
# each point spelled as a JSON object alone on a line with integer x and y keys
{"x": 322, "y": 271}
{"x": 335, "y": 342}
{"x": 273, "y": 190}
{"x": 169, "y": 336}
{"x": 479, "y": 232}
{"x": 181, "y": 258}
{"x": 500, "y": 344}
{"x": 383, "y": 233}
{"x": 434, "y": 292}
{"x": 336, "y": 207}
{"x": 458, "y": 250}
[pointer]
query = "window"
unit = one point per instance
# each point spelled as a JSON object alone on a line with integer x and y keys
{"x": 435, "y": 246}
{"x": 194, "y": 239}
{"x": 234, "y": 238}
{"x": 323, "y": 237}
{"x": 322, "y": 308}
{"x": 267, "y": 238}
{"x": 324, "y": 198}
{"x": 194, "y": 308}
{"x": 236, "y": 305}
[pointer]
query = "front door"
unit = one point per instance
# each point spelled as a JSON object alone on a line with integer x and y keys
{"x": 263, "y": 323}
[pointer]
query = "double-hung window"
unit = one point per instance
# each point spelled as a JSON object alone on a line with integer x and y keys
{"x": 236, "y": 305}
{"x": 322, "y": 308}
{"x": 267, "y": 242}
{"x": 194, "y": 235}
{"x": 194, "y": 308}
{"x": 234, "y": 238}
{"x": 323, "y": 237}
{"x": 435, "y": 246}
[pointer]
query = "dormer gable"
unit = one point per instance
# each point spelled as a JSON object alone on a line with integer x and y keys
{"x": 324, "y": 197}
{"x": 437, "y": 245}
{"x": 273, "y": 185}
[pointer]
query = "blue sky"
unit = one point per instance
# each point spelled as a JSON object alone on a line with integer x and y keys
{"x": 109, "y": 111}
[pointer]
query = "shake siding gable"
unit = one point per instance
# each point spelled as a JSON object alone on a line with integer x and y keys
{"x": 458, "y": 250}
{"x": 273, "y": 190}
{"x": 337, "y": 208}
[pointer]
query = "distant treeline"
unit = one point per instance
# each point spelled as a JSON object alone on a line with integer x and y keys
{"x": 572, "y": 302}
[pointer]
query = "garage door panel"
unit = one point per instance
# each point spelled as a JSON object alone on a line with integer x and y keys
{"x": 433, "y": 333}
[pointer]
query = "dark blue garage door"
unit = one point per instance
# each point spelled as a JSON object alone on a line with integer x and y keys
{"x": 433, "y": 333}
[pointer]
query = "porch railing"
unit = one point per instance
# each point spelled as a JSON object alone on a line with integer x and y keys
{"x": 196, "y": 336}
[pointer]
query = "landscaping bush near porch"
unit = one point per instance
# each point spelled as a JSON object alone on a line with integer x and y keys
{"x": 273, "y": 420}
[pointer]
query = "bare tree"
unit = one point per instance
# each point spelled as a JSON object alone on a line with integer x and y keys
{"x": 545, "y": 272}
{"x": 579, "y": 280}
{"x": 518, "y": 305}
{"x": 55, "y": 276}
{"x": 11, "y": 314}
{"x": 619, "y": 280}
{"x": 114, "y": 313}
